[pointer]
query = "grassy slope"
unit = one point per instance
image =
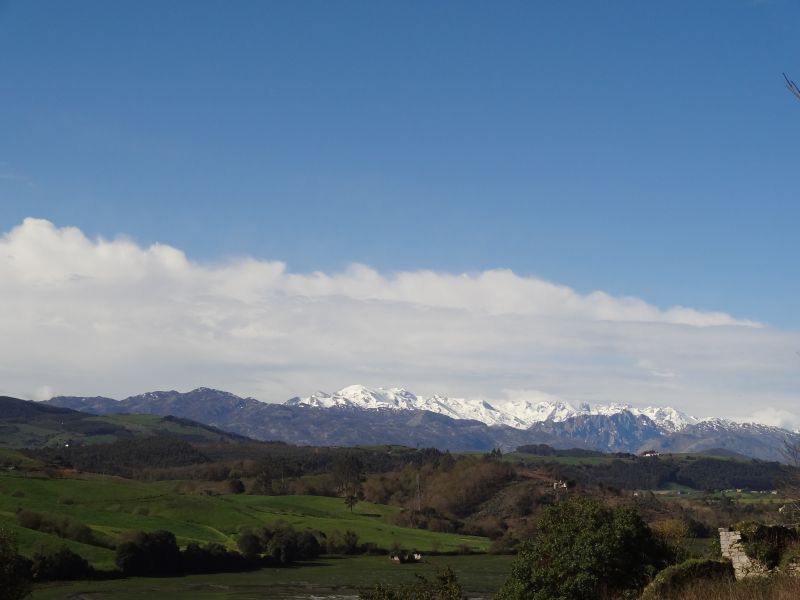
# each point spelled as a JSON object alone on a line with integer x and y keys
{"x": 113, "y": 506}
{"x": 480, "y": 576}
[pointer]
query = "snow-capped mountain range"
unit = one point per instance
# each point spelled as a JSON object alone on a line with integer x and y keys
{"x": 519, "y": 414}
{"x": 358, "y": 415}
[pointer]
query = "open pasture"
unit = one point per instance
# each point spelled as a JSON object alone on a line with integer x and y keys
{"x": 111, "y": 506}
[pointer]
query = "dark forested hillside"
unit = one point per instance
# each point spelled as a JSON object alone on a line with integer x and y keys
{"x": 123, "y": 457}
{"x": 27, "y": 424}
{"x": 696, "y": 472}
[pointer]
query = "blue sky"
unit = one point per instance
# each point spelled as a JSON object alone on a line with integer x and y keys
{"x": 595, "y": 201}
{"x": 642, "y": 148}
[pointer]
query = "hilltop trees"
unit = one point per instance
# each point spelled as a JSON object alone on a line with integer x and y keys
{"x": 584, "y": 551}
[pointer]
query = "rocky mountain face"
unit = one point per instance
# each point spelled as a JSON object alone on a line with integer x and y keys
{"x": 359, "y": 416}
{"x": 618, "y": 432}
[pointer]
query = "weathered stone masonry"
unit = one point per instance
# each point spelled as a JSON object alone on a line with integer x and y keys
{"x": 730, "y": 543}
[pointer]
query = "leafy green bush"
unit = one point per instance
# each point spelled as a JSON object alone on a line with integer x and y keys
{"x": 584, "y": 551}
{"x": 676, "y": 578}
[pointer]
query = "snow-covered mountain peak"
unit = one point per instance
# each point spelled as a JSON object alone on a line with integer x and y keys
{"x": 530, "y": 412}
{"x": 668, "y": 418}
{"x": 519, "y": 413}
{"x": 359, "y": 396}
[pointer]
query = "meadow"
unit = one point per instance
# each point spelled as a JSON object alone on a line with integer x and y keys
{"x": 112, "y": 506}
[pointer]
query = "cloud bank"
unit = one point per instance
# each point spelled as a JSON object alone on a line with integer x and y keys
{"x": 96, "y": 316}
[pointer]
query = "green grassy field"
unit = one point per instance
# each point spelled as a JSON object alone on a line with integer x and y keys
{"x": 112, "y": 506}
{"x": 329, "y": 577}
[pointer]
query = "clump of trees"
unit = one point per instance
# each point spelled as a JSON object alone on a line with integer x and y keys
{"x": 61, "y": 564}
{"x": 584, "y": 550}
{"x": 152, "y": 554}
{"x": 149, "y": 553}
{"x": 279, "y": 544}
{"x": 17, "y": 572}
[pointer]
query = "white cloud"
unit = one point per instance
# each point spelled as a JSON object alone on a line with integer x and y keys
{"x": 772, "y": 416}
{"x": 43, "y": 392}
{"x": 111, "y": 317}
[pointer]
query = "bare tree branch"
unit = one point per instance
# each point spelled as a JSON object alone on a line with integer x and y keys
{"x": 792, "y": 86}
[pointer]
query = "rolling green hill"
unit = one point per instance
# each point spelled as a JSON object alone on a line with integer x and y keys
{"x": 113, "y": 506}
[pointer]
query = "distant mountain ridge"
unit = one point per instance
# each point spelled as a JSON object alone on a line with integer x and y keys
{"x": 361, "y": 416}
{"x": 520, "y": 414}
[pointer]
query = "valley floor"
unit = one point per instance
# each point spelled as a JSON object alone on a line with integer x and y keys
{"x": 327, "y": 578}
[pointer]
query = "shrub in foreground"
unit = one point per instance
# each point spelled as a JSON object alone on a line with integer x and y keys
{"x": 673, "y": 580}
{"x": 585, "y": 551}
